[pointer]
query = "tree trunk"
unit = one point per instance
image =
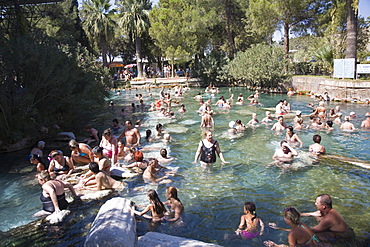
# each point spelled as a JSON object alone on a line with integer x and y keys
{"x": 286, "y": 39}
{"x": 138, "y": 58}
{"x": 351, "y": 39}
{"x": 104, "y": 50}
{"x": 228, "y": 28}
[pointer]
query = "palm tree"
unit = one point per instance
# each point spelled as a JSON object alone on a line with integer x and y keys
{"x": 352, "y": 19}
{"x": 98, "y": 23}
{"x": 134, "y": 21}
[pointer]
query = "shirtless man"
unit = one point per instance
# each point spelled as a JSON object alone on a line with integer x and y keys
{"x": 132, "y": 135}
{"x": 103, "y": 180}
{"x": 285, "y": 154}
{"x": 320, "y": 110}
{"x": 280, "y": 125}
{"x": 366, "y": 122}
{"x": 347, "y": 125}
{"x": 331, "y": 225}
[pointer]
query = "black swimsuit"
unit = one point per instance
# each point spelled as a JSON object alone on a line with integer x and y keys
{"x": 208, "y": 155}
{"x": 63, "y": 169}
{"x": 47, "y": 203}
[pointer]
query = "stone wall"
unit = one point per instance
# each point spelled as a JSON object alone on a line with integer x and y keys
{"x": 342, "y": 89}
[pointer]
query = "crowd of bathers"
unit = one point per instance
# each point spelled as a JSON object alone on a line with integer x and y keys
{"x": 110, "y": 151}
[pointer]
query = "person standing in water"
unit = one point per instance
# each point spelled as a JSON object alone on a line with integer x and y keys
{"x": 132, "y": 135}
{"x": 207, "y": 149}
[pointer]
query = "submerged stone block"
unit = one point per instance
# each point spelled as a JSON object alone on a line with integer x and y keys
{"x": 156, "y": 239}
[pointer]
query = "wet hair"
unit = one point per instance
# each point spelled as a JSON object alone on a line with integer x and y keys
{"x": 148, "y": 133}
{"x": 173, "y": 193}
{"x": 97, "y": 150}
{"x": 238, "y": 121}
{"x": 163, "y": 152}
{"x": 158, "y": 205}
{"x": 38, "y": 158}
{"x": 73, "y": 144}
{"x": 94, "y": 167}
{"x": 251, "y": 207}
{"x": 158, "y": 126}
{"x": 43, "y": 175}
{"x": 329, "y": 123}
{"x": 316, "y": 138}
{"x": 325, "y": 199}
{"x": 115, "y": 120}
{"x": 138, "y": 156}
{"x": 292, "y": 214}
{"x": 291, "y": 129}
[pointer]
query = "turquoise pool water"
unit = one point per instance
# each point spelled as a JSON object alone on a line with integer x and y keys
{"x": 214, "y": 198}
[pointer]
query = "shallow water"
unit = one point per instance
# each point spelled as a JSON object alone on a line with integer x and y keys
{"x": 214, "y": 198}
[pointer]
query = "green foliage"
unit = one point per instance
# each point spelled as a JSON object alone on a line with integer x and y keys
{"x": 211, "y": 69}
{"x": 44, "y": 84}
{"x": 259, "y": 66}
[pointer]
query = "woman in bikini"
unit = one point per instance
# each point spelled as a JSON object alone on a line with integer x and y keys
{"x": 60, "y": 165}
{"x": 207, "y": 149}
{"x": 109, "y": 144}
{"x": 81, "y": 152}
{"x": 292, "y": 137}
{"x": 300, "y": 234}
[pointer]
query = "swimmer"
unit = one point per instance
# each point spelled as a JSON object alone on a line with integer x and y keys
{"x": 268, "y": 118}
{"x": 182, "y": 109}
{"x": 232, "y": 127}
{"x": 249, "y": 222}
{"x": 280, "y": 125}
{"x": 285, "y": 154}
{"x": 239, "y": 125}
{"x": 366, "y": 123}
{"x": 299, "y": 235}
{"x": 156, "y": 207}
{"x": 254, "y": 120}
{"x": 292, "y": 137}
{"x": 298, "y": 120}
{"x": 347, "y": 125}
{"x": 316, "y": 148}
{"x": 164, "y": 156}
{"x": 332, "y": 226}
{"x": 175, "y": 205}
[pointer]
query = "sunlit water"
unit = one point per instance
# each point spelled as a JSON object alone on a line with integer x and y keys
{"x": 213, "y": 198}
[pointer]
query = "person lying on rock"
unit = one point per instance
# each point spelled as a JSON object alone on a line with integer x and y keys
{"x": 103, "y": 180}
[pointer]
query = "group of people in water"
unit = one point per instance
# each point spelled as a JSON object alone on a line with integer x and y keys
{"x": 110, "y": 149}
